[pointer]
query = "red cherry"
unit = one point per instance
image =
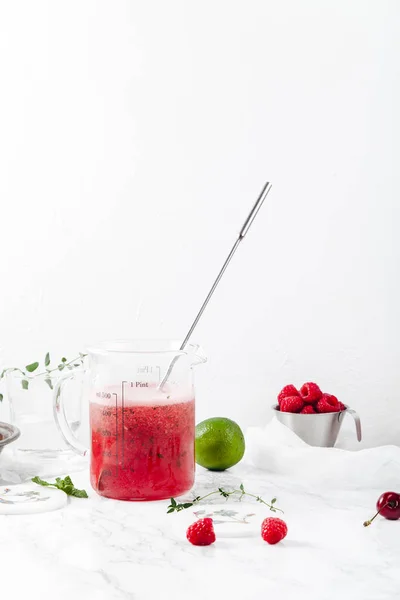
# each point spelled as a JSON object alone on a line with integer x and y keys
{"x": 388, "y": 505}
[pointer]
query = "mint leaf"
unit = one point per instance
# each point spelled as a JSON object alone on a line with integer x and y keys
{"x": 65, "y": 485}
{"x": 66, "y": 481}
{"x": 41, "y": 481}
{"x": 79, "y": 493}
{"x": 64, "y": 360}
{"x": 47, "y": 360}
{"x": 1, "y": 397}
{"x": 32, "y": 367}
{"x": 25, "y": 384}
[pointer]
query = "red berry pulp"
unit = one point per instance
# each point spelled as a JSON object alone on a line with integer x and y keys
{"x": 142, "y": 451}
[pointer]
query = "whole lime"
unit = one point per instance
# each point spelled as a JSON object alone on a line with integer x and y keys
{"x": 219, "y": 444}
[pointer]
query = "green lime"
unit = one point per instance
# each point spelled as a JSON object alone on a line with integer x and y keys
{"x": 219, "y": 444}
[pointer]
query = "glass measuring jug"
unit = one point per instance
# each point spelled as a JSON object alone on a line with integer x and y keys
{"x": 141, "y": 428}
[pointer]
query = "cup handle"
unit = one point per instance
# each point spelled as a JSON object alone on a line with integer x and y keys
{"x": 357, "y": 422}
{"x": 61, "y": 418}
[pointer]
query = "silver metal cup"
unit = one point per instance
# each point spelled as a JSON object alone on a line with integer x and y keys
{"x": 320, "y": 429}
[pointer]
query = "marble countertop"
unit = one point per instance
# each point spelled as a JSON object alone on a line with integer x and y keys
{"x": 103, "y": 549}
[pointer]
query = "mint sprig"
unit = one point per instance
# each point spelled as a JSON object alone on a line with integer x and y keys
{"x": 65, "y": 485}
{"x": 176, "y": 507}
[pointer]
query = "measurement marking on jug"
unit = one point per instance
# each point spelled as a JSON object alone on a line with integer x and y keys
{"x": 105, "y": 433}
{"x": 123, "y": 423}
{"x": 116, "y": 432}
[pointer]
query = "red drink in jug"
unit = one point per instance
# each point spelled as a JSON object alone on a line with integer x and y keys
{"x": 142, "y": 451}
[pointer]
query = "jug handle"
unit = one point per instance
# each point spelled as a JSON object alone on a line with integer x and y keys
{"x": 357, "y": 422}
{"x": 61, "y": 418}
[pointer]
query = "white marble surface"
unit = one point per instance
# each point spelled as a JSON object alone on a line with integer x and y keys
{"x": 107, "y": 550}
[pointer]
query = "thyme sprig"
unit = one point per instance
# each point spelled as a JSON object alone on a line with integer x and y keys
{"x": 177, "y": 507}
{"x": 47, "y": 370}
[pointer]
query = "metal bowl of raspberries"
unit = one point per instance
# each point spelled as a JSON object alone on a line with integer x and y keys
{"x": 314, "y": 416}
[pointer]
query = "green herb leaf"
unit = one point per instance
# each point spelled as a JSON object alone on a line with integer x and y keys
{"x": 241, "y": 487}
{"x": 25, "y": 384}
{"x": 49, "y": 383}
{"x": 32, "y": 367}
{"x": 40, "y": 481}
{"x": 273, "y": 500}
{"x": 187, "y": 504}
{"x": 61, "y": 367}
{"x": 171, "y": 510}
{"x": 47, "y": 360}
{"x": 79, "y": 493}
{"x": 1, "y": 397}
{"x": 173, "y": 502}
{"x": 64, "y": 360}
{"x": 223, "y": 493}
{"x": 65, "y": 485}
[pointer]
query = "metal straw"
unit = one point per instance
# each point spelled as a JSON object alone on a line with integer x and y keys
{"x": 246, "y": 226}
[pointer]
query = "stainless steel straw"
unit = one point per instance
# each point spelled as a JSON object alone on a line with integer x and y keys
{"x": 246, "y": 226}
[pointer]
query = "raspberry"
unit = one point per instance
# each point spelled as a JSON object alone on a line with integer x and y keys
{"x": 273, "y": 530}
{"x": 327, "y": 404}
{"x": 288, "y": 390}
{"x": 292, "y": 404}
{"x": 201, "y": 533}
{"x": 310, "y": 392}
{"x": 342, "y": 406}
{"x": 308, "y": 410}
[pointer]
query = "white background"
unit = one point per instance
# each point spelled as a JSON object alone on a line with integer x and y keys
{"x": 135, "y": 137}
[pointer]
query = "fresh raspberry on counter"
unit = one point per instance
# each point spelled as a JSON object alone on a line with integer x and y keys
{"x": 273, "y": 530}
{"x": 201, "y": 533}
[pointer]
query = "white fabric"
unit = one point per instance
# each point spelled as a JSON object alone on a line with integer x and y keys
{"x": 17, "y": 468}
{"x": 277, "y": 450}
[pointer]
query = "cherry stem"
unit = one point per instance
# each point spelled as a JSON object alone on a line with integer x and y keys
{"x": 367, "y": 523}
